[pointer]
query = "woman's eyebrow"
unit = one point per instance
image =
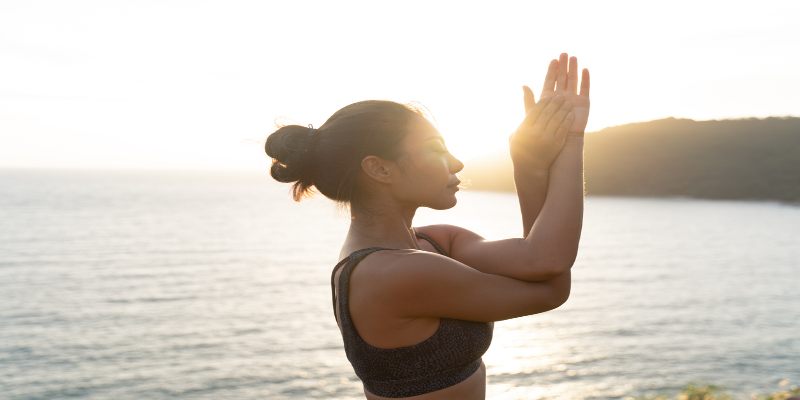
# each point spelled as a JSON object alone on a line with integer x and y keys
{"x": 435, "y": 138}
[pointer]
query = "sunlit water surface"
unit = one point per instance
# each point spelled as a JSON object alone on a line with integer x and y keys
{"x": 164, "y": 285}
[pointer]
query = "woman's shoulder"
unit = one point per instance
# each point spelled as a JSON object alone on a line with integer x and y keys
{"x": 387, "y": 266}
{"x": 379, "y": 273}
{"x": 444, "y": 234}
{"x": 373, "y": 262}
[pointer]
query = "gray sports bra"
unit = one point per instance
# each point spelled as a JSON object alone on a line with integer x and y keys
{"x": 449, "y": 356}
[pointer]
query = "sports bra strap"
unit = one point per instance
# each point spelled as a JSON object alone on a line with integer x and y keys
{"x": 433, "y": 242}
{"x": 348, "y": 262}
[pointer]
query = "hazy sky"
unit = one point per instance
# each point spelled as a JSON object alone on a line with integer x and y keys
{"x": 200, "y": 84}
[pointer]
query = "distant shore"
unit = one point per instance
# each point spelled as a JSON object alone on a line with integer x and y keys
{"x": 747, "y": 159}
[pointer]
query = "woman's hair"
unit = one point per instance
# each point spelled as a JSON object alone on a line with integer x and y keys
{"x": 329, "y": 157}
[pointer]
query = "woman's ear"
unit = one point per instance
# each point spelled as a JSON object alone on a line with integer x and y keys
{"x": 377, "y": 168}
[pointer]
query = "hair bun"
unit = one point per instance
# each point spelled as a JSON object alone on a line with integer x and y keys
{"x": 289, "y": 147}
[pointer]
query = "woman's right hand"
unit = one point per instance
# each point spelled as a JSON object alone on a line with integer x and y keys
{"x": 540, "y": 137}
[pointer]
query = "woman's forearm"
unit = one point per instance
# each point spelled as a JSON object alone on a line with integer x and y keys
{"x": 531, "y": 186}
{"x": 556, "y": 232}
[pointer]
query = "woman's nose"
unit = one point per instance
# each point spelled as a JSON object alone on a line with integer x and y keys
{"x": 455, "y": 164}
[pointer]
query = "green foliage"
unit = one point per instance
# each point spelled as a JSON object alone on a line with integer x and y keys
{"x": 785, "y": 394}
{"x": 710, "y": 392}
{"x": 694, "y": 391}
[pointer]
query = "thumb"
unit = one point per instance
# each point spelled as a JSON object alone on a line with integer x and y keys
{"x": 527, "y": 96}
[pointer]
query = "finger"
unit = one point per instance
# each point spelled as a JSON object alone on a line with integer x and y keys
{"x": 544, "y": 109}
{"x": 536, "y": 110}
{"x": 585, "y": 83}
{"x": 558, "y": 119}
{"x": 540, "y": 120}
{"x": 550, "y": 79}
{"x": 572, "y": 76}
{"x": 561, "y": 76}
{"x": 528, "y": 99}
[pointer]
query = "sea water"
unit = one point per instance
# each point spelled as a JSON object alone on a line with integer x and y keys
{"x": 158, "y": 285}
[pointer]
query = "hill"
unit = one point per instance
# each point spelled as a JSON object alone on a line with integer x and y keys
{"x": 756, "y": 159}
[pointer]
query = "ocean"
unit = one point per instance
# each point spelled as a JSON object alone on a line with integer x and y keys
{"x": 160, "y": 285}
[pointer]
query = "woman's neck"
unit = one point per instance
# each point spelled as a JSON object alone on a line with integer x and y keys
{"x": 382, "y": 227}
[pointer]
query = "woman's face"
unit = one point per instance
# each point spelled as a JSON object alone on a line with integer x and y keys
{"x": 427, "y": 169}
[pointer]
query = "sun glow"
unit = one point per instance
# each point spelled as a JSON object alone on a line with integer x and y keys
{"x": 204, "y": 92}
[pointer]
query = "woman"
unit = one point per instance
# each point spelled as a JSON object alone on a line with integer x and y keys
{"x": 417, "y": 314}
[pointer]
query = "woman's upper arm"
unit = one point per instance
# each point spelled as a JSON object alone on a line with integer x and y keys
{"x": 422, "y": 284}
{"x": 513, "y": 258}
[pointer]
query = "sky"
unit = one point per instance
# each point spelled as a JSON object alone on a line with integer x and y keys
{"x": 199, "y": 85}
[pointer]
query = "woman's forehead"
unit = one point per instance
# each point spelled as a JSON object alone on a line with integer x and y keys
{"x": 422, "y": 130}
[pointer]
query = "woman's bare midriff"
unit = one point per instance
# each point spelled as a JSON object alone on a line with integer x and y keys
{"x": 472, "y": 388}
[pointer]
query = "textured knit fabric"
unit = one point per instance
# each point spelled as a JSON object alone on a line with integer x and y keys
{"x": 448, "y": 357}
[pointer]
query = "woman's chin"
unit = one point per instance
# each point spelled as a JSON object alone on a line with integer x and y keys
{"x": 445, "y": 203}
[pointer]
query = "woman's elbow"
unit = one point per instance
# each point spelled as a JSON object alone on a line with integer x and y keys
{"x": 562, "y": 285}
{"x": 547, "y": 264}
{"x": 555, "y": 294}
{"x": 561, "y": 298}
{"x": 554, "y": 268}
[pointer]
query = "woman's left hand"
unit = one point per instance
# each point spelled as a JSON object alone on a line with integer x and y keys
{"x": 562, "y": 79}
